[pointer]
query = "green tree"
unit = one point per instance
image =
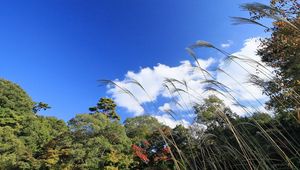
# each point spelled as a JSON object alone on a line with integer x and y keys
{"x": 40, "y": 106}
{"x": 106, "y": 106}
{"x": 262, "y": 118}
{"x": 23, "y": 134}
{"x": 281, "y": 52}
{"x": 15, "y": 104}
{"x": 213, "y": 112}
{"x": 140, "y": 127}
{"x": 99, "y": 142}
{"x": 38, "y": 131}
{"x": 14, "y": 98}
{"x": 13, "y": 153}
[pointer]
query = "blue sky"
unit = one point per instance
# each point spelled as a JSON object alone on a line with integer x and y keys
{"x": 57, "y": 50}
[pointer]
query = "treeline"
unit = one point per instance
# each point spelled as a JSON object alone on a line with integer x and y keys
{"x": 97, "y": 140}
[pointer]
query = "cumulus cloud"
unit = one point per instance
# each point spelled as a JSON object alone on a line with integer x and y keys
{"x": 169, "y": 121}
{"x": 165, "y": 108}
{"x": 236, "y": 76}
{"x": 152, "y": 80}
{"x": 190, "y": 87}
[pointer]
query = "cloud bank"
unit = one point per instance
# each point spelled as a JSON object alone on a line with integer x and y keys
{"x": 148, "y": 85}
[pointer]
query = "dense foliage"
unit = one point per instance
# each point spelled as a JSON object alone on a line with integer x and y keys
{"x": 281, "y": 52}
{"x": 88, "y": 141}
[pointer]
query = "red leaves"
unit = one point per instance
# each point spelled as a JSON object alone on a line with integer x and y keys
{"x": 146, "y": 143}
{"x": 162, "y": 155}
{"x": 140, "y": 152}
{"x": 167, "y": 149}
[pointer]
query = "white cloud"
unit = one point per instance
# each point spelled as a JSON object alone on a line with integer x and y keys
{"x": 169, "y": 121}
{"x": 152, "y": 80}
{"x": 227, "y": 44}
{"x": 165, "y": 108}
{"x": 239, "y": 72}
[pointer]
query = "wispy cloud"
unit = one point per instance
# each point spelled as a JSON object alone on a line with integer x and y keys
{"x": 227, "y": 44}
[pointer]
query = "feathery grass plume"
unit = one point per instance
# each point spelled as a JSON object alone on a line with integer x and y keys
{"x": 204, "y": 72}
{"x": 172, "y": 96}
{"x": 109, "y": 82}
{"x": 246, "y": 61}
{"x": 241, "y": 149}
{"x": 133, "y": 81}
{"x": 259, "y": 66}
{"x": 240, "y": 141}
{"x": 226, "y": 90}
{"x": 217, "y": 84}
{"x": 242, "y": 144}
{"x": 184, "y": 161}
{"x": 240, "y": 84}
{"x": 231, "y": 57}
{"x": 165, "y": 138}
{"x": 255, "y": 80}
{"x": 175, "y": 89}
{"x": 268, "y": 11}
{"x": 244, "y": 109}
{"x": 201, "y": 43}
{"x": 241, "y": 20}
{"x": 125, "y": 90}
{"x": 178, "y": 90}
